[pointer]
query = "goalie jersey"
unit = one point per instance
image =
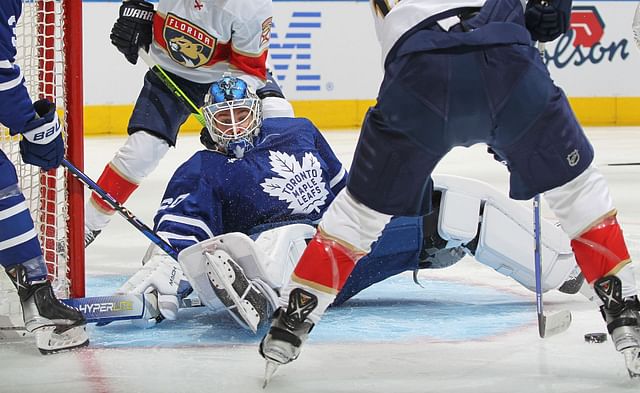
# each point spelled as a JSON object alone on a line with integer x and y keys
{"x": 290, "y": 174}
{"x": 15, "y": 105}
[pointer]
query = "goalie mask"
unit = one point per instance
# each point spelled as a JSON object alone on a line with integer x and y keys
{"x": 233, "y": 115}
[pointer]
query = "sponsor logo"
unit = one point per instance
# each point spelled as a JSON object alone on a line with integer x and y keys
{"x": 290, "y": 52}
{"x": 187, "y": 44}
{"x": 299, "y": 184}
{"x": 115, "y": 307}
{"x": 583, "y": 43}
{"x": 136, "y": 13}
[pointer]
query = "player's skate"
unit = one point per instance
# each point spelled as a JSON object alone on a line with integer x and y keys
{"x": 56, "y": 326}
{"x": 621, "y": 316}
{"x": 289, "y": 330}
{"x": 90, "y": 236}
{"x": 241, "y": 297}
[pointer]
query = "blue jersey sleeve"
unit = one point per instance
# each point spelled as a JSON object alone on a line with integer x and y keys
{"x": 16, "y": 108}
{"x": 337, "y": 172}
{"x": 190, "y": 211}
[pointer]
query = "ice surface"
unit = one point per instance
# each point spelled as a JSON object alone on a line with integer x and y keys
{"x": 468, "y": 330}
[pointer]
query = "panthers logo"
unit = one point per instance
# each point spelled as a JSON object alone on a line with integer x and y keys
{"x": 187, "y": 44}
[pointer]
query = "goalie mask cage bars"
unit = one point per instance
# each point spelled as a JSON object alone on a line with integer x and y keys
{"x": 49, "y": 53}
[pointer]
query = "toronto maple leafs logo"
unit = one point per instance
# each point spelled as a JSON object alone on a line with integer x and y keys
{"x": 299, "y": 184}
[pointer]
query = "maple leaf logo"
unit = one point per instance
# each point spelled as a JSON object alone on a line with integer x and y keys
{"x": 299, "y": 184}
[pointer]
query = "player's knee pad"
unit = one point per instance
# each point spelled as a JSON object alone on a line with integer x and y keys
{"x": 352, "y": 222}
{"x": 582, "y": 202}
{"x": 499, "y": 232}
{"x": 139, "y": 156}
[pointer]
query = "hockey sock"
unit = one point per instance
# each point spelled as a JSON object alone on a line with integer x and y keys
{"x": 114, "y": 183}
{"x": 322, "y": 270}
{"x": 601, "y": 250}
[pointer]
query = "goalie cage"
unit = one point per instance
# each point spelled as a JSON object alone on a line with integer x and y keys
{"x": 49, "y": 53}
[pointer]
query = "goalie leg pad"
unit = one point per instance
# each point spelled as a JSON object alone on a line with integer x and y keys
{"x": 505, "y": 239}
{"x": 244, "y": 302}
{"x": 218, "y": 279}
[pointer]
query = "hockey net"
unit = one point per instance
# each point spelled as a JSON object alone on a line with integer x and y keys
{"x": 49, "y": 53}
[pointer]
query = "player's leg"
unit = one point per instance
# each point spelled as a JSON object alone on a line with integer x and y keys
{"x": 554, "y": 156}
{"x": 153, "y": 128}
{"x": 57, "y": 326}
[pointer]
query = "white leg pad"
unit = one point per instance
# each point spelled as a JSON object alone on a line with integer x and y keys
{"x": 505, "y": 241}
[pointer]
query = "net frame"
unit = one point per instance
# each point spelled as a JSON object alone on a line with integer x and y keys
{"x": 49, "y": 53}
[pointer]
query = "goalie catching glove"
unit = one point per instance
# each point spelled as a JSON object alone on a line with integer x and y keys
{"x": 162, "y": 275}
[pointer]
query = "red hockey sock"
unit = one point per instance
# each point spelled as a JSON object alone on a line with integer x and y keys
{"x": 325, "y": 264}
{"x": 601, "y": 250}
{"x": 115, "y": 185}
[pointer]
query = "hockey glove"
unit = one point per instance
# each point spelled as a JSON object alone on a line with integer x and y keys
{"x": 163, "y": 275}
{"x": 133, "y": 29}
{"x": 547, "y": 20}
{"x": 42, "y": 143}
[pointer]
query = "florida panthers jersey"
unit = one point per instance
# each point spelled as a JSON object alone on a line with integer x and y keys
{"x": 200, "y": 40}
{"x": 290, "y": 174}
{"x": 15, "y": 105}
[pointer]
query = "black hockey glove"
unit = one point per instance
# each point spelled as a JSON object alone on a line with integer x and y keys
{"x": 42, "y": 143}
{"x": 547, "y": 20}
{"x": 133, "y": 29}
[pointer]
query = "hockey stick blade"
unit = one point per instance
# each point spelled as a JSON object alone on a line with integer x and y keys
{"x": 555, "y": 323}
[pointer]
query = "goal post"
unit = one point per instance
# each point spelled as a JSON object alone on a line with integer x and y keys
{"x": 49, "y": 53}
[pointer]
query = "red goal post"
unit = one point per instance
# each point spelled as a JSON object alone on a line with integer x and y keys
{"x": 49, "y": 46}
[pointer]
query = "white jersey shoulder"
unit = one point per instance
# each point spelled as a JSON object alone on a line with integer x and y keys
{"x": 196, "y": 38}
{"x": 395, "y": 17}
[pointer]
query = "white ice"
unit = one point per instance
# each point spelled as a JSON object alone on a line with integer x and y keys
{"x": 515, "y": 361}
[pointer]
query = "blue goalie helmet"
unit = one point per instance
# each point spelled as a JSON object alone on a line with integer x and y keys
{"x": 233, "y": 115}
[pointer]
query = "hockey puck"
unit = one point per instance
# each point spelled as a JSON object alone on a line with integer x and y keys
{"x": 595, "y": 337}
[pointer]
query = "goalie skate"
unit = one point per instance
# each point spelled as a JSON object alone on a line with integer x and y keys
{"x": 244, "y": 302}
{"x": 621, "y": 316}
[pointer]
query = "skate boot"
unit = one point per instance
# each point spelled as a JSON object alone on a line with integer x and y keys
{"x": 90, "y": 236}
{"x": 621, "y": 316}
{"x": 573, "y": 283}
{"x": 56, "y": 326}
{"x": 289, "y": 330}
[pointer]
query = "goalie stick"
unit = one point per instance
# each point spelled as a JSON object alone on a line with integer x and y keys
{"x": 106, "y": 309}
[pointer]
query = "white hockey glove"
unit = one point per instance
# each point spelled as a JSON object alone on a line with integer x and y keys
{"x": 163, "y": 275}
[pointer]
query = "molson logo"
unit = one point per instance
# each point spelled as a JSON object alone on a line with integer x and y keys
{"x": 583, "y": 42}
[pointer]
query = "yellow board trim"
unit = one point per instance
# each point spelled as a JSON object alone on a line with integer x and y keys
{"x": 333, "y": 114}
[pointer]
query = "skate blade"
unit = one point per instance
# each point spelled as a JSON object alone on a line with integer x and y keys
{"x": 632, "y": 361}
{"x": 270, "y": 369}
{"x": 49, "y": 341}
